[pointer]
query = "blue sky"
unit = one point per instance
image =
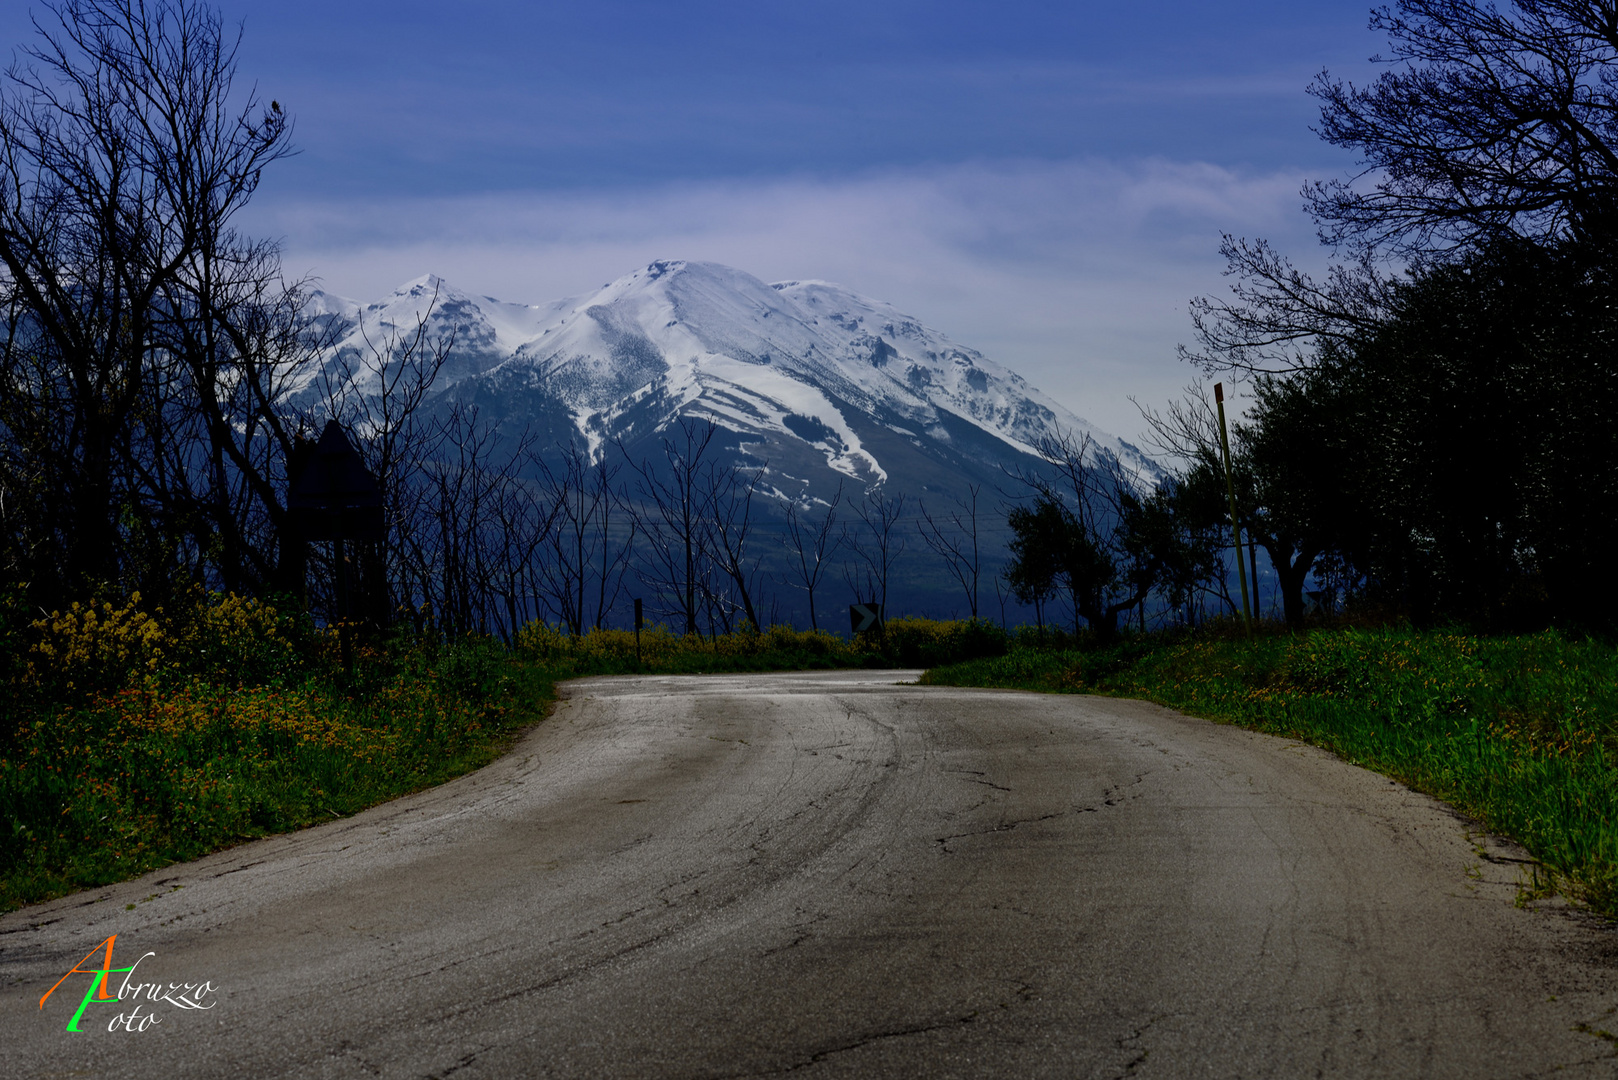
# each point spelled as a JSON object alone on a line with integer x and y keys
{"x": 1046, "y": 182}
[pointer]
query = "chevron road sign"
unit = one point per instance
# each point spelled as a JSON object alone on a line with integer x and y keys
{"x": 865, "y": 616}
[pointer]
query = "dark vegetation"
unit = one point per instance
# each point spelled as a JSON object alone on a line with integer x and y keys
{"x": 1436, "y": 440}
{"x": 1433, "y": 430}
{"x": 1441, "y": 440}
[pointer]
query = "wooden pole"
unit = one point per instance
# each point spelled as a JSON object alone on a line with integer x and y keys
{"x": 1230, "y": 491}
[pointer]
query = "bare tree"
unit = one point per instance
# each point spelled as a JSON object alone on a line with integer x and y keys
{"x": 518, "y": 525}
{"x": 476, "y": 530}
{"x": 1278, "y": 317}
{"x": 379, "y": 390}
{"x": 731, "y": 499}
{"x": 674, "y": 513}
{"x": 125, "y": 153}
{"x": 953, "y": 537}
{"x": 229, "y": 446}
{"x": 617, "y": 547}
{"x": 1493, "y": 119}
{"x": 878, "y": 547}
{"x": 810, "y": 546}
{"x": 586, "y": 560}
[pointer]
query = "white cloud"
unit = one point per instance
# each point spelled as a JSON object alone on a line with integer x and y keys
{"x": 1076, "y": 274}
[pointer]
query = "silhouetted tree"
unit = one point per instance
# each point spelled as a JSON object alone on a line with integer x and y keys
{"x": 1078, "y": 531}
{"x": 810, "y": 546}
{"x": 1495, "y": 120}
{"x": 953, "y": 537}
{"x": 674, "y": 516}
{"x": 1039, "y": 541}
{"x": 1288, "y": 470}
{"x": 587, "y": 556}
{"x": 877, "y": 545}
{"x": 146, "y": 342}
{"x": 735, "y": 553}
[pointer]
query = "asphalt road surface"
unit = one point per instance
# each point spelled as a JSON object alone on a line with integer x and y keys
{"x": 834, "y": 874}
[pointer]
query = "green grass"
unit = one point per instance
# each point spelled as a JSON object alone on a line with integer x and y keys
{"x": 1518, "y": 732}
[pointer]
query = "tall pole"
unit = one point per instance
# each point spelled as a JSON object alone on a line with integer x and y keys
{"x": 1230, "y": 490}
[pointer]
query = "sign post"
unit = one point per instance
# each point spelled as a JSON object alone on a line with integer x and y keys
{"x": 637, "y": 631}
{"x": 863, "y": 617}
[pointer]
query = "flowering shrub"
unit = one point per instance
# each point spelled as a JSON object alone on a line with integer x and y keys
{"x": 238, "y": 640}
{"x": 662, "y": 650}
{"x": 223, "y": 638}
{"x": 96, "y": 646}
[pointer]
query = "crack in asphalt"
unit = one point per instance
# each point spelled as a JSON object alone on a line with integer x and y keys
{"x": 859, "y": 1043}
{"x": 979, "y": 774}
{"x": 466, "y": 1061}
{"x": 1134, "y": 1037}
{"x": 239, "y": 869}
{"x": 1005, "y": 826}
{"x": 349, "y": 1052}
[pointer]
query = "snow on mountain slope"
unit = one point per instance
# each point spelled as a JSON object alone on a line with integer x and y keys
{"x": 480, "y": 331}
{"x": 806, "y": 362}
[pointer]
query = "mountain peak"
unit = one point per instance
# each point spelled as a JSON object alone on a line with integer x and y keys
{"x": 804, "y": 364}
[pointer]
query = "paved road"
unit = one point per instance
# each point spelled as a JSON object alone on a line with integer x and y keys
{"x": 833, "y": 875}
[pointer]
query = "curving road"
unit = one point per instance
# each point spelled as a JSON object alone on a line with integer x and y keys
{"x": 831, "y": 874}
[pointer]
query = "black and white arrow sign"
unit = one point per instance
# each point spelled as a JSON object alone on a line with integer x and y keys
{"x": 865, "y": 616}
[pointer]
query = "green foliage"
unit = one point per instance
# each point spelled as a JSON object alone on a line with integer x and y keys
{"x": 1054, "y": 547}
{"x": 910, "y": 642}
{"x": 233, "y": 639}
{"x": 613, "y": 652}
{"x": 1521, "y": 732}
{"x": 928, "y": 642}
{"x": 1476, "y": 425}
{"x": 1446, "y": 450}
{"x": 1038, "y": 541}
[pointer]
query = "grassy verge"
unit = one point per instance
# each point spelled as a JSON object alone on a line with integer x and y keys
{"x": 1519, "y": 732}
{"x": 106, "y": 782}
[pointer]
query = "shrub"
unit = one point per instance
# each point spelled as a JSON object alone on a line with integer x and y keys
{"x": 93, "y": 647}
{"x": 221, "y": 639}
{"x": 611, "y": 651}
{"x": 917, "y": 642}
{"x": 236, "y": 641}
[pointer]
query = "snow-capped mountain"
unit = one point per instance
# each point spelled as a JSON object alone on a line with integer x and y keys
{"x": 814, "y": 380}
